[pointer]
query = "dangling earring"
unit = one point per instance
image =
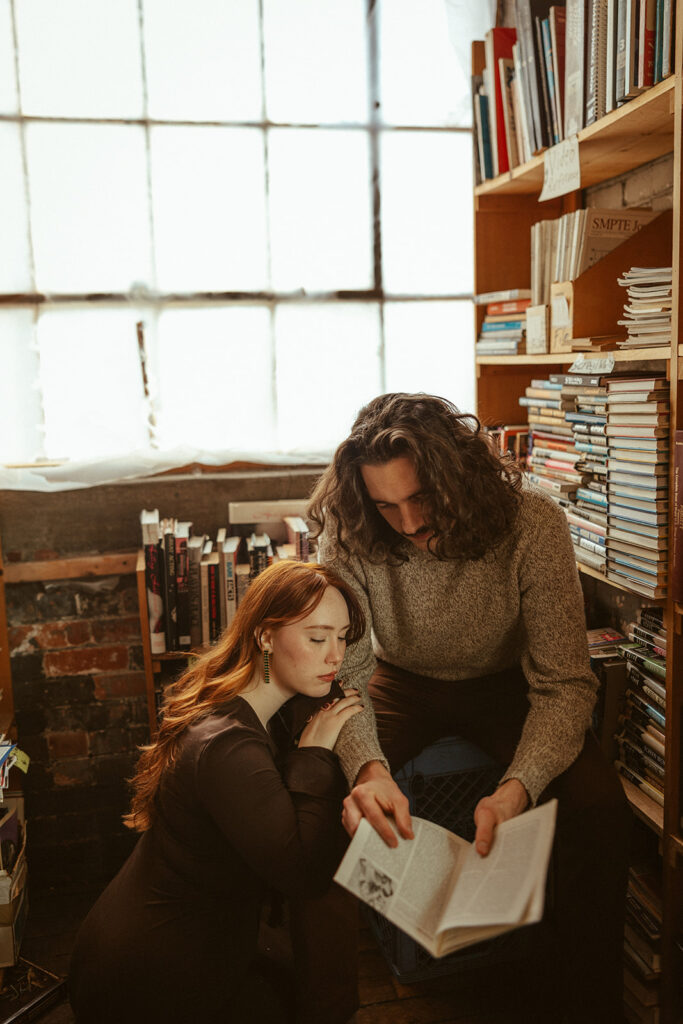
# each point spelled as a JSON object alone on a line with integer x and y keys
{"x": 266, "y": 666}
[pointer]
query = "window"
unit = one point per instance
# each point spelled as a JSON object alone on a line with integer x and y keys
{"x": 279, "y": 191}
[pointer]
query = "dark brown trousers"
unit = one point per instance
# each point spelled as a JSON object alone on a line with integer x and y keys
{"x": 581, "y": 968}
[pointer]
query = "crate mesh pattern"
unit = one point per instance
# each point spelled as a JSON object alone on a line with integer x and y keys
{"x": 444, "y": 785}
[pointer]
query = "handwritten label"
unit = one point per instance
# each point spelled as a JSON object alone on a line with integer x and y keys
{"x": 561, "y": 169}
{"x": 537, "y": 329}
{"x": 560, "y": 311}
{"x": 597, "y": 366}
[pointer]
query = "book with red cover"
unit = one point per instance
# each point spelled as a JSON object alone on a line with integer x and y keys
{"x": 499, "y": 43}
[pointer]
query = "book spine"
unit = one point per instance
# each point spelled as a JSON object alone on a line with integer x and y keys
{"x": 230, "y": 589}
{"x": 154, "y": 575}
{"x": 214, "y": 602}
{"x": 204, "y": 591}
{"x": 194, "y": 594}
{"x": 676, "y": 537}
{"x": 544, "y": 97}
{"x": 183, "y": 594}
{"x": 170, "y": 592}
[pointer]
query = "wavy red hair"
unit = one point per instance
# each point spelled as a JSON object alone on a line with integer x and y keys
{"x": 284, "y": 593}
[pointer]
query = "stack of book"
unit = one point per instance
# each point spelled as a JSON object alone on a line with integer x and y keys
{"x": 564, "y": 248}
{"x": 642, "y": 942}
{"x": 503, "y": 330}
{"x": 560, "y": 69}
{"x": 588, "y": 424}
{"x": 194, "y": 583}
{"x": 637, "y": 483}
{"x": 640, "y": 738}
{"x": 552, "y": 458}
{"x": 647, "y": 311}
{"x": 583, "y": 398}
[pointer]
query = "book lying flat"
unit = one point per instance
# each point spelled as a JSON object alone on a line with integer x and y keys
{"x": 441, "y": 892}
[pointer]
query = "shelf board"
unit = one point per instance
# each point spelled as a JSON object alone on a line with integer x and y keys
{"x": 634, "y": 134}
{"x": 587, "y": 570}
{"x": 678, "y": 844}
{"x": 644, "y": 807}
{"x": 554, "y": 358}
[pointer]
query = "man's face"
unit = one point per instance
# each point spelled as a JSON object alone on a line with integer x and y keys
{"x": 394, "y": 489}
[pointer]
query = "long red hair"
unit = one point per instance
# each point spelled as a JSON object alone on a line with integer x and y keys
{"x": 284, "y": 593}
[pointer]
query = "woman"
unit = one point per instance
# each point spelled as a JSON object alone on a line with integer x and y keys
{"x": 223, "y": 817}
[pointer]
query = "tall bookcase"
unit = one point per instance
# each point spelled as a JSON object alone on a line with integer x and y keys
{"x": 505, "y": 207}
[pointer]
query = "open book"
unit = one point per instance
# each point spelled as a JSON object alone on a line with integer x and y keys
{"x": 441, "y": 892}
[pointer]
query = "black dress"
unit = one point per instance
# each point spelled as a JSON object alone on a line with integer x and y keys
{"x": 172, "y": 936}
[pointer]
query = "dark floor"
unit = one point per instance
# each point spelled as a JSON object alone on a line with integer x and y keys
{"x": 484, "y": 995}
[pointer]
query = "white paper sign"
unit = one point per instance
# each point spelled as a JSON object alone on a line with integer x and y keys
{"x": 561, "y": 169}
{"x": 536, "y": 329}
{"x": 560, "y": 311}
{"x": 591, "y": 365}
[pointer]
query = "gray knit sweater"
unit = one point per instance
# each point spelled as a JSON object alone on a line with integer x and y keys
{"x": 519, "y": 605}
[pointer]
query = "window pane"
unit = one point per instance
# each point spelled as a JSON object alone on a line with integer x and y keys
{"x": 427, "y": 213}
{"x": 215, "y": 379}
{"x": 429, "y": 347}
{"x": 320, "y": 210}
{"x": 421, "y": 79}
{"x": 92, "y": 382}
{"x": 209, "y": 208}
{"x": 15, "y": 272}
{"x": 89, "y": 211}
{"x": 8, "y": 81}
{"x": 21, "y": 416}
{"x": 327, "y": 368}
{"x": 203, "y": 60}
{"x": 80, "y": 57}
{"x": 316, "y": 68}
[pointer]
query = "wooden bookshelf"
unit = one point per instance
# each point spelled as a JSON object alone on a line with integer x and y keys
{"x": 624, "y": 139}
{"x": 557, "y": 358}
{"x": 644, "y": 807}
{"x": 505, "y": 208}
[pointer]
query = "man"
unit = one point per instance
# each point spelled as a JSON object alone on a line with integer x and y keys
{"x": 468, "y": 580}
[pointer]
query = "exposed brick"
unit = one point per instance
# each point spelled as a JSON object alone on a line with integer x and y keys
{"x": 75, "y": 772}
{"x": 18, "y": 636}
{"x": 45, "y": 555}
{"x": 26, "y": 667}
{"x": 60, "y": 691}
{"x": 85, "y": 659}
{"x": 106, "y": 631}
{"x": 36, "y": 748}
{"x": 73, "y": 717}
{"x": 115, "y": 769}
{"x": 91, "y": 605}
{"x": 54, "y": 605}
{"x": 67, "y": 744}
{"x": 129, "y": 601}
{"x": 110, "y": 741}
{"x": 125, "y": 684}
{"x": 78, "y": 632}
{"x": 51, "y": 636}
{"x": 136, "y": 657}
{"x": 30, "y": 721}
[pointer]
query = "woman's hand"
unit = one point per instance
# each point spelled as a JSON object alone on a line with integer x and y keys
{"x": 324, "y": 727}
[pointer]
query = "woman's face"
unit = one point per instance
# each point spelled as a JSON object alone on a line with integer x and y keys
{"x": 306, "y": 655}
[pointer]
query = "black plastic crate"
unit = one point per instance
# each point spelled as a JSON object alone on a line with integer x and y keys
{"x": 444, "y": 785}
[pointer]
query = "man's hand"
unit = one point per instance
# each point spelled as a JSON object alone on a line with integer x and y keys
{"x": 375, "y": 796}
{"x": 508, "y": 801}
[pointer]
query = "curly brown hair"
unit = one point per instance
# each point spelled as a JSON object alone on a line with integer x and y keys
{"x": 472, "y": 493}
{"x": 284, "y": 593}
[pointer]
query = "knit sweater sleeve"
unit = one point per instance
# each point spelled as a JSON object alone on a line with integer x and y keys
{"x": 357, "y": 743}
{"x": 562, "y": 687}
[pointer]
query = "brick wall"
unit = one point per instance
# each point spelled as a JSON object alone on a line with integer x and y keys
{"x": 76, "y": 658}
{"x": 81, "y": 713}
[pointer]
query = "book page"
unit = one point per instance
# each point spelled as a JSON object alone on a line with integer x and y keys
{"x": 408, "y": 884}
{"x": 498, "y": 889}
